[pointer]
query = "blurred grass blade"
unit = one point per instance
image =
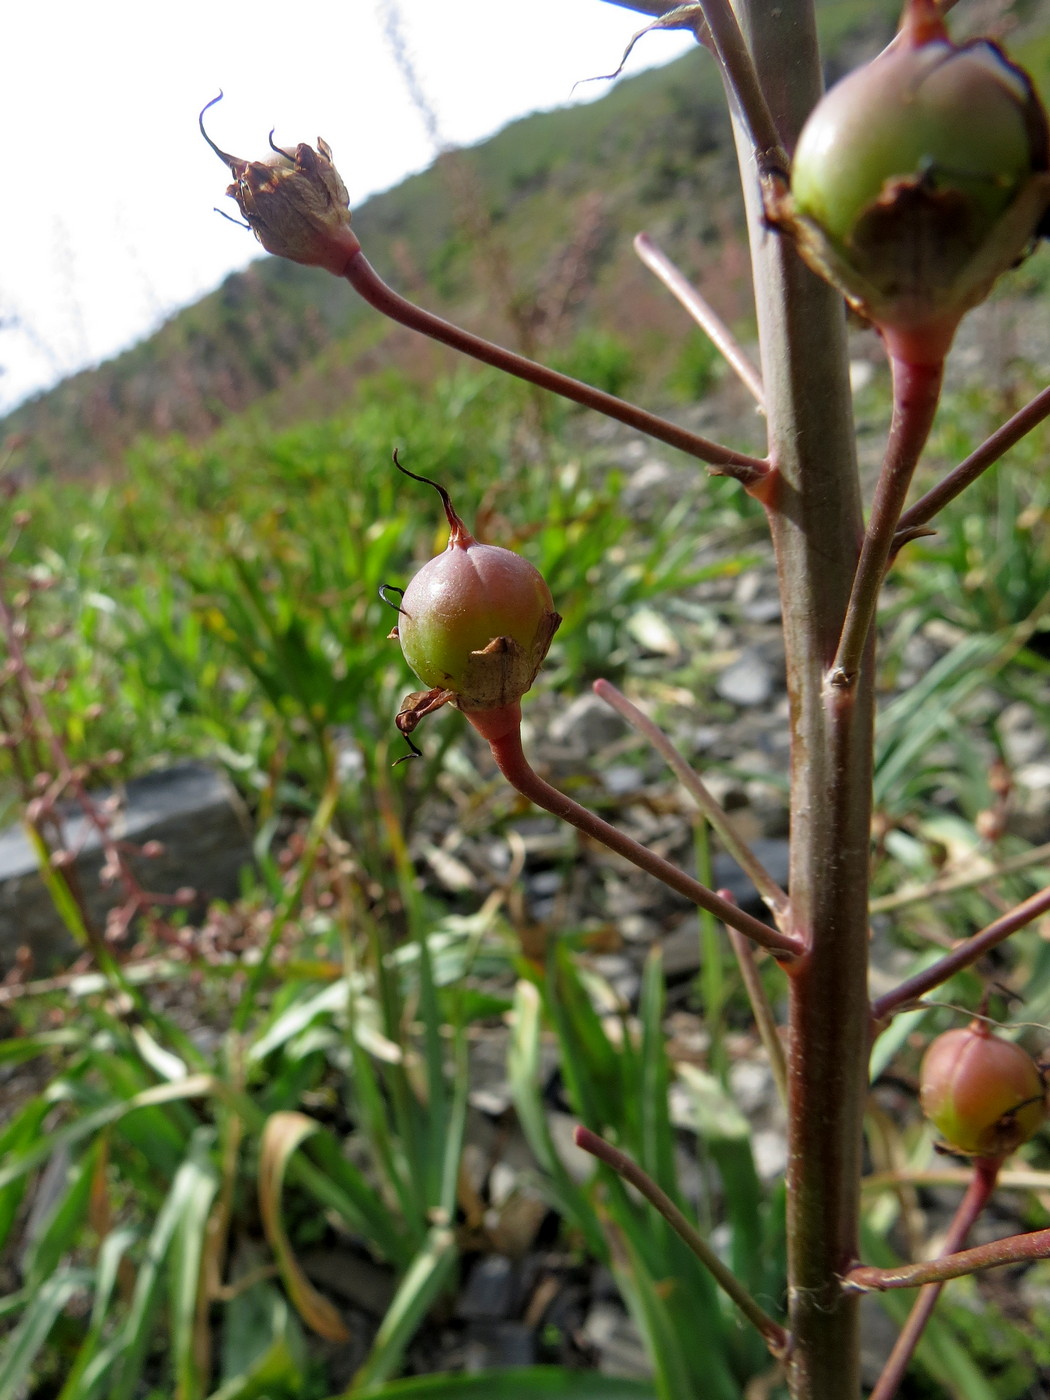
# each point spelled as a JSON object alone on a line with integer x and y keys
{"x": 130, "y": 1350}
{"x": 281, "y": 1136}
{"x": 455, "y": 1128}
{"x": 263, "y": 1351}
{"x": 196, "y": 1086}
{"x": 672, "y": 1380}
{"x": 425, "y": 1280}
{"x": 523, "y": 1073}
{"x": 526, "y": 1383}
{"x": 32, "y": 1332}
{"x": 15, "y": 1139}
{"x": 187, "y": 1310}
{"x": 112, "y": 1250}
{"x": 57, "y": 1232}
{"x": 655, "y": 1148}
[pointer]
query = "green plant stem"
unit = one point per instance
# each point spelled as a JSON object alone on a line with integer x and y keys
{"x": 982, "y": 1184}
{"x": 916, "y": 392}
{"x": 720, "y": 821}
{"x": 512, "y": 763}
{"x": 772, "y": 1332}
{"x": 363, "y": 277}
{"x": 983, "y": 457}
{"x": 962, "y": 956}
{"x": 815, "y": 517}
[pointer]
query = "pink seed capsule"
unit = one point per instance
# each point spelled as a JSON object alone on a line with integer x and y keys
{"x": 476, "y": 622}
{"x": 984, "y": 1095}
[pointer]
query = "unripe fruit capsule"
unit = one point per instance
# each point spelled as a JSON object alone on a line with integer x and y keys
{"x": 476, "y": 621}
{"x": 985, "y": 1095}
{"x": 919, "y": 179}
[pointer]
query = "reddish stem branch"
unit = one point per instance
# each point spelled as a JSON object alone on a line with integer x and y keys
{"x": 703, "y": 313}
{"x": 985, "y": 456}
{"x": 775, "y": 1337}
{"x": 363, "y": 277}
{"x": 916, "y": 390}
{"x": 964, "y": 955}
{"x": 982, "y": 1184}
{"x": 509, "y": 756}
{"x": 1015, "y": 1249}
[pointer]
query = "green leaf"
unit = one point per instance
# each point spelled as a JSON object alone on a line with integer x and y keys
{"x": 58, "y": 1231}
{"x": 421, "y": 1286}
{"x": 523, "y": 1074}
{"x": 200, "y": 1184}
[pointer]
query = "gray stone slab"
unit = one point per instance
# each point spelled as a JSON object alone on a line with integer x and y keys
{"x": 191, "y": 809}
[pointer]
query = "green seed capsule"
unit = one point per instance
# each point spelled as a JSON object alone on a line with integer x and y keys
{"x": 918, "y": 180}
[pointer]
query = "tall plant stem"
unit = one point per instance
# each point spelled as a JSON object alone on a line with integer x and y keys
{"x": 982, "y": 1184}
{"x": 363, "y": 277}
{"x": 816, "y": 522}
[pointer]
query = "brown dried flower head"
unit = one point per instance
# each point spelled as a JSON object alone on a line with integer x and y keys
{"x": 296, "y": 205}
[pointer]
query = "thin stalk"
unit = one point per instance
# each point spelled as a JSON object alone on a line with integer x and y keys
{"x": 814, "y": 510}
{"x": 1017, "y": 1180}
{"x": 719, "y": 820}
{"x": 916, "y": 392}
{"x": 982, "y": 1184}
{"x": 702, "y": 312}
{"x": 772, "y": 1333}
{"x": 765, "y": 1021}
{"x": 1015, "y": 1249}
{"x": 745, "y": 86}
{"x": 512, "y": 763}
{"x": 967, "y": 953}
{"x": 983, "y": 457}
{"x": 363, "y": 277}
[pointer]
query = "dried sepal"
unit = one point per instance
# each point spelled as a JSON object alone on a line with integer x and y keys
{"x": 295, "y": 203}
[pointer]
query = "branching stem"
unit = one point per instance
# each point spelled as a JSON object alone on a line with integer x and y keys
{"x": 363, "y": 277}
{"x": 967, "y": 953}
{"x": 776, "y": 1338}
{"x": 745, "y": 86}
{"x": 982, "y": 1184}
{"x": 985, "y": 456}
{"x": 720, "y": 821}
{"x": 512, "y": 763}
{"x": 916, "y": 390}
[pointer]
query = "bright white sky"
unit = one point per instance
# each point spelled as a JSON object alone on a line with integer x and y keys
{"x": 107, "y": 223}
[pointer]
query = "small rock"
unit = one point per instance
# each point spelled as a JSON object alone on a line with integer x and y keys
{"x": 747, "y": 681}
